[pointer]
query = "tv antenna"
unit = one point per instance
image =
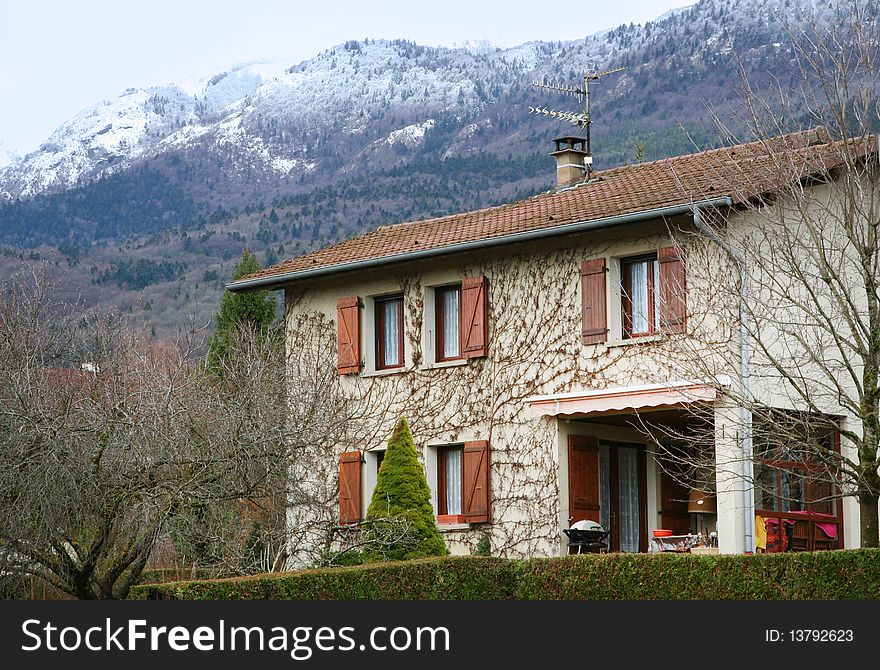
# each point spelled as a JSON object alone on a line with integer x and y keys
{"x": 582, "y": 119}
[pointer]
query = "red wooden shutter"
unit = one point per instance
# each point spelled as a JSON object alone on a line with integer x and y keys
{"x": 475, "y": 482}
{"x": 583, "y": 478}
{"x": 474, "y": 326}
{"x": 595, "y": 326}
{"x": 350, "y": 487}
{"x": 673, "y": 290}
{"x": 348, "y": 338}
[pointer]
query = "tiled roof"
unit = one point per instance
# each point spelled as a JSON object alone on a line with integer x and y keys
{"x": 740, "y": 173}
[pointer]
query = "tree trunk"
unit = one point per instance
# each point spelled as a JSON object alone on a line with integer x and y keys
{"x": 868, "y": 520}
{"x": 82, "y": 591}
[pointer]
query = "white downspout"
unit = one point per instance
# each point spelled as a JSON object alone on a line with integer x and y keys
{"x": 745, "y": 354}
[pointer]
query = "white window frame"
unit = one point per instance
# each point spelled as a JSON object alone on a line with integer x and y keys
{"x": 369, "y": 336}
{"x": 614, "y": 298}
{"x": 432, "y": 454}
{"x": 370, "y": 475}
{"x": 429, "y": 338}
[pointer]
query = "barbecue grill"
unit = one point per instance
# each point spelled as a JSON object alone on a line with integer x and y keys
{"x": 586, "y": 537}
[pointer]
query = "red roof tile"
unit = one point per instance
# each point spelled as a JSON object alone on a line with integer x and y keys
{"x": 740, "y": 172}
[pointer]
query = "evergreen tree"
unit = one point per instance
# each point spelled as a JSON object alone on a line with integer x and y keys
{"x": 402, "y": 492}
{"x": 254, "y": 310}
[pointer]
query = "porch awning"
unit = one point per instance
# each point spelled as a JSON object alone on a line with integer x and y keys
{"x": 622, "y": 398}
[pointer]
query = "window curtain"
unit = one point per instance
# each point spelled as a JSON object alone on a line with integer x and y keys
{"x": 655, "y": 268}
{"x": 450, "y": 324}
{"x": 638, "y": 282}
{"x": 453, "y": 481}
{"x": 628, "y": 471}
{"x": 604, "y": 488}
{"x": 392, "y": 333}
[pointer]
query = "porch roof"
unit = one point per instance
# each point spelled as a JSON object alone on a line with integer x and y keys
{"x": 622, "y": 398}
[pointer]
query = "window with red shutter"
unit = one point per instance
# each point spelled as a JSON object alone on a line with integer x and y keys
{"x": 350, "y": 487}
{"x": 474, "y": 326}
{"x": 673, "y": 289}
{"x": 348, "y": 339}
{"x": 475, "y": 481}
{"x": 595, "y": 326}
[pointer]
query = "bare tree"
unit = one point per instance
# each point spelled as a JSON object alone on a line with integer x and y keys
{"x": 807, "y": 257}
{"x": 111, "y": 446}
{"x": 107, "y": 441}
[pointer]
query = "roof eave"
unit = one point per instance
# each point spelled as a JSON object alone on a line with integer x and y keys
{"x": 280, "y": 280}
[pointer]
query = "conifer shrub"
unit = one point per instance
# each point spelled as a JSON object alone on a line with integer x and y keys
{"x": 484, "y": 546}
{"x": 402, "y": 493}
{"x": 254, "y": 310}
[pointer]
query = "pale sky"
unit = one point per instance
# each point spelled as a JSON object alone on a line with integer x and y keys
{"x": 56, "y": 58}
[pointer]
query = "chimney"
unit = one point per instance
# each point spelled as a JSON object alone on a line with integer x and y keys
{"x": 572, "y": 160}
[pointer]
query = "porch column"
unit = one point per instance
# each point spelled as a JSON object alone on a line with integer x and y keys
{"x": 729, "y": 478}
{"x": 851, "y": 511}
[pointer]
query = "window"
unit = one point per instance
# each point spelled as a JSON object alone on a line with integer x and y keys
{"x": 640, "y": 283}
{"x": 460, "y": 476}
{"x": 793, "y": 487}
{"x": 389, "y": 332}
{"x": 456, "y": 321}
{"x": 450, "y": 470}
{"x": 447, "y": 319}
{"x": 795, "y": 491}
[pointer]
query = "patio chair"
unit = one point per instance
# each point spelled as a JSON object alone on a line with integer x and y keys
{"x": 821, "y": 541}
{"x": 801, "y": 536}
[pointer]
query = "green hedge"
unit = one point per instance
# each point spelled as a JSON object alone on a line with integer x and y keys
{"x": 451, "y": 578}
{"x": 827, "y": 575}
{"x": 158, "y": 575}
{"x": 824, "y": 575}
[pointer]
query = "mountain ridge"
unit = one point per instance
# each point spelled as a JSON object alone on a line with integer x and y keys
{"x": 282, "y": 159}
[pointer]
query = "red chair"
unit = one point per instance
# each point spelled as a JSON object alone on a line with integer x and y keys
{"x": 801, "y": 536}
{"x": 821, "y": 540}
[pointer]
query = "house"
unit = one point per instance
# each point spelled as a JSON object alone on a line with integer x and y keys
{"x": 553, "y": 355}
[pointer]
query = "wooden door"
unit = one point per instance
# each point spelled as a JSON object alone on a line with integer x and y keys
{"x": 583, "y": 478}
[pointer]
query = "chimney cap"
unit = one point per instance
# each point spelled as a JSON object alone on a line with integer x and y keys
{"x": 570, "y": 143}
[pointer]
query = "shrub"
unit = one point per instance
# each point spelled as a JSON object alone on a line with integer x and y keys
{"x": 828, "y": 575}
{"x": 402, "y": 493}
{"x": 484, "y": 547}
{"x": 824, "y": 575}
{"x": 448, "y": 578}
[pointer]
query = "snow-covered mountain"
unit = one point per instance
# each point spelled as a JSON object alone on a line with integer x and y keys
{"x": 6, "y": 156}
{"x": 115, "y": 133}
{"x": 274, "y": 114}
{"x": 263, "y": 130}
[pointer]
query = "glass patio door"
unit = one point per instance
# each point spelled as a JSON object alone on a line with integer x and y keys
{"x": 622, "y": 483}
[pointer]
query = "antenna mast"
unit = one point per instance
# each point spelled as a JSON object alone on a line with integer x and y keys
{"x": 582, "y": 119}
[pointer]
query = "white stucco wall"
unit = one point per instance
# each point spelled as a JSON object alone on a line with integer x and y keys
{"x": 534, "y": 348}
